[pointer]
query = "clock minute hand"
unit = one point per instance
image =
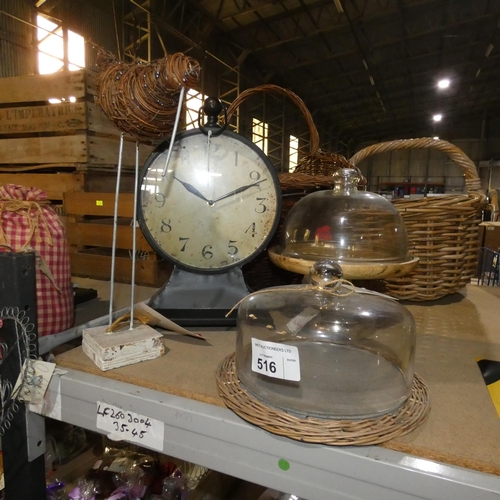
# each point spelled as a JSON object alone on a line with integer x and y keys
{"x": 237, "y": 191}
{"x": 192, "y": 189}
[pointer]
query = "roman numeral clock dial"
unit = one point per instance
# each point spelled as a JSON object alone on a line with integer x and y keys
{"x": 213, "y": 207}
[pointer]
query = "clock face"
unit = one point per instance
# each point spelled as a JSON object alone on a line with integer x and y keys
{"x": 215, "y": 207}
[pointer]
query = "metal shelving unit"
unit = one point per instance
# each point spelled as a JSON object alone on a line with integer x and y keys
{"x": 215, "y": 437}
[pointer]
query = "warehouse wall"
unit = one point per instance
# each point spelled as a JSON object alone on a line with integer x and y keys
{"x": 17, "y": 39}
{"x": 95, "y": 21}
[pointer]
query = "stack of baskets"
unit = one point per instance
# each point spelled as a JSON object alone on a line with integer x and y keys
{"x": 443, "y": 231}
{"x": 313, "y": 173}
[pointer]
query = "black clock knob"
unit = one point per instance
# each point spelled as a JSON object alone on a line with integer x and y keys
{"x": 212, "y": 108}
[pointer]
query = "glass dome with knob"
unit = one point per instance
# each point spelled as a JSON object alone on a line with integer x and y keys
{"x": 325, "y": 349}
{"x": 360, "y": 230}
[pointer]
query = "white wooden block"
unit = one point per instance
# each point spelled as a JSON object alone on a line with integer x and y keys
{"x": 123, "y": 347}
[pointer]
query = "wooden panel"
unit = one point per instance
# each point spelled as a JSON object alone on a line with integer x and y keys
{"x": 71, "y": 149}
{"x": 104, "y": 150}
{"x": 55, "y": 185}
{"x": 105, "y": 182}
{"x": 101, "y": 235}
{"x": 43, "y": 87}
{"x": 64, "y": 117}
{"x": 150, "y": 273}
{"x": 98, "y": 122}
{"x": 99, "y": 204}
{"x": 90, "y": 77}
{"x": 63, "y": 149}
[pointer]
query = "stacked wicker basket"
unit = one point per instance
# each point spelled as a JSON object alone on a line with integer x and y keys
{"x": 443, "y": 231}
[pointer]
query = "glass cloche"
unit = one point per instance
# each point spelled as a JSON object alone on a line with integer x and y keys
{"x": 325, "y": 349}
{"x": 360, "y": 230}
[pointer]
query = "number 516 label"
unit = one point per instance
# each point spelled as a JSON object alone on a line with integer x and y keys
{"x": 275, "y": 360}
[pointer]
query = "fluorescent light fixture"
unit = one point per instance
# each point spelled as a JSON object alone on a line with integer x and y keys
{"x": 436, "y": 137}
{"x": 54, "y": 100}
{"x": 444, "y": 83}
{"x": 438, "y": 117}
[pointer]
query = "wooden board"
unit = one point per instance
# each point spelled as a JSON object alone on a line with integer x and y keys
{"x": 75, "y": 149}
{"x": 148, "y": 272}
{"x": 105, "y": 181}
{"x": 62, "y": 149}
{"x": 63, "y": 118}
{"x": 98, "y": 122}
{"x": 104, "y": 151}
{"x": 102, "y": 204}
{"x": 122, "y": 348}
{"x": 101, "y": 235}
{"x": 55, "y": 185}
{"x": 37, "y": 88}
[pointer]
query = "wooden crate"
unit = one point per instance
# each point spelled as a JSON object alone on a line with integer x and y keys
{"x": 89, "y": 226}
{"x": 34, "y": 132}
{"x": 55, "y": 185}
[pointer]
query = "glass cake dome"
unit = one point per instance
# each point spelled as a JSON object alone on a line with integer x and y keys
{"x": 360, "y": 230}
{"x": 325, "y": 349}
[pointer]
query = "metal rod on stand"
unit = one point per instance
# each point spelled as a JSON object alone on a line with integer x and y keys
{"x": 115, "y": 226}
{"x": 134, "y": 238}
{"x": 174, "y": 130}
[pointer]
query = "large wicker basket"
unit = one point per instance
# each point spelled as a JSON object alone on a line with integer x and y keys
{"x": 314, "y": 172}
{"x": 443, "y": 231}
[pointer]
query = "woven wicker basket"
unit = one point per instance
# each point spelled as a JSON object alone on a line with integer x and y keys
{"x": 443, "y": 231}
{"x": 314, "y": 172}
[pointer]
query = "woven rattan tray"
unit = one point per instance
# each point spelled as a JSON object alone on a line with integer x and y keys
{"x": 322, "y": 431}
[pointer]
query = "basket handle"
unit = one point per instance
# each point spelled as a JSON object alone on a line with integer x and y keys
{"x": 313, "y": 131}
{"x": 472, "y": 180}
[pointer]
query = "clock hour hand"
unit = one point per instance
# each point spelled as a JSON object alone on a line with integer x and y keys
{"x": 237, "y": 191}
{"x": 192, "y": 189}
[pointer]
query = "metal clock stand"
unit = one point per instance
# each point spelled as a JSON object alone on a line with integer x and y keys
{"x": 192, "y": 299}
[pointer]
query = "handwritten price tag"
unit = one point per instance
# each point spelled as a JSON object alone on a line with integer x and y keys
{"x": 36, "y": 380}
{"x": 130, "y": 426}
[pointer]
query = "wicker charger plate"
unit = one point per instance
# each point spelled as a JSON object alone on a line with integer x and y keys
{"x": 322, "y": 431}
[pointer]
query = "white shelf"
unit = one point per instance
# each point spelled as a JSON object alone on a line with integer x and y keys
{"x": 216, "y": 438}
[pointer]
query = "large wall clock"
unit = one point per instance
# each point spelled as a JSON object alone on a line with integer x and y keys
{"x": 211, "y": 208}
